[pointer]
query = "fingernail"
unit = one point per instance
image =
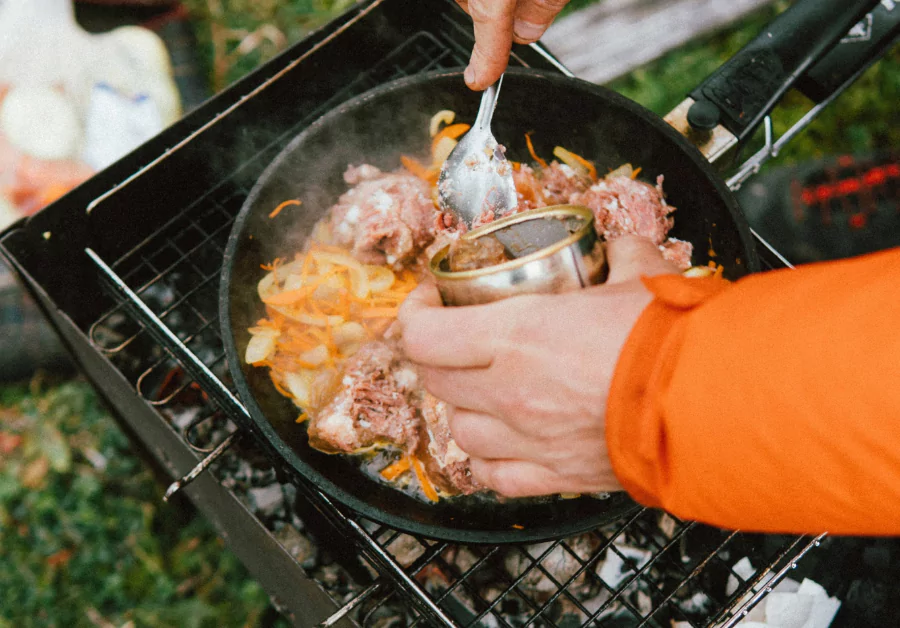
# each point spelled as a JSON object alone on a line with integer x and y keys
{"x": 526, "y": 31}
{"x": 469, "y": 75}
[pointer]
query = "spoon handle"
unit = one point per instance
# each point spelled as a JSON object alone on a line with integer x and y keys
{"x": 488, "y": 103}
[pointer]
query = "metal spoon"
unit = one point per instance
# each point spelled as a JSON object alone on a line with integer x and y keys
{"x": 477, "y": 178}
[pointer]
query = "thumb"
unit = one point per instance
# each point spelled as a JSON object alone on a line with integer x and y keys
{"x": 633, "y": 256}
{"x": 425, "y": 296}
{"x": 493, "y": 21}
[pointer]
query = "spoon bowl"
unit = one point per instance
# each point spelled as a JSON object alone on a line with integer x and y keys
{"x": 476, "y": 181}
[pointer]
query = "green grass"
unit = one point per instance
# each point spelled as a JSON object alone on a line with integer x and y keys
{"x": 82, "y": 545}
{"x": 85, "y": 538}
{"x": 863, "y": 119}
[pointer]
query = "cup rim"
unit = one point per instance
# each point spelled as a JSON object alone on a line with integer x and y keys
{"x": 551, "y": 211}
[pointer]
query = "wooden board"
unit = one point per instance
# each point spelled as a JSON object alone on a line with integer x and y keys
{"x": 611, "y": 38}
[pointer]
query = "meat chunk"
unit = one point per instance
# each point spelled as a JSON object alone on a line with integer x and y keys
{"x": 529, "y": 190}
{"x": 560, "y": 183}
{"x": 386, "y": 218}
{"x": 624, "y": 206}
{"x": 446, "y": 464}
{"x": 372, "y": 405}
{"x": 474, "y": 254}
{"x": 678, "y": 252}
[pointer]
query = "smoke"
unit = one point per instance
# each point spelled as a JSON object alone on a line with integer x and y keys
{"x": 375, "y": 129}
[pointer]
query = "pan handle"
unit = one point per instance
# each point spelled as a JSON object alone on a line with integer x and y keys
{"x": 866, "y": 42}
{"x": 730, "y": 105}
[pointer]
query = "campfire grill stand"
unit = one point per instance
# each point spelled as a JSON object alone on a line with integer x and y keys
{"x": 127, "y": 266}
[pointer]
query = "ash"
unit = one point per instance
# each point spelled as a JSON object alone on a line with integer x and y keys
{"x": 653, "y": 568}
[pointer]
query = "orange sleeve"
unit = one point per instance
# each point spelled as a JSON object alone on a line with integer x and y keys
{"x": 771, "y": 404}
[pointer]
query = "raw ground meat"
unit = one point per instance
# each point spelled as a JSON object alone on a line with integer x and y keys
{"x": 372, "y": 405}
{"x": 560, "y": 183}
{"x": 386, "y": 218}
{"x": 678, "y": 252}
{"x": 623, "y": 206}
{"x": 379, "y": 402}
{"x": 554, "y": 185}
{"x": 446, "y": 463}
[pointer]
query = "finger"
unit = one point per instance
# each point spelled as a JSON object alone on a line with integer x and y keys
{"x": 493, "y": 20}
{"x": 464, "y": 5}
{"x": 469, "y": 388}
{"x": 518, "y": 478}
{"x": 632, "y": 256}
{"x": 533, "y": 17}
{"x": 457, "y": 337}
{"x": 487, "y": 437}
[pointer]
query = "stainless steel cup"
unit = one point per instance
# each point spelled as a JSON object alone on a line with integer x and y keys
{"x": 557, "y": 257}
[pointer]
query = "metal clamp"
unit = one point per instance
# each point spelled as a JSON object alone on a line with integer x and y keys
{"x": 742, "y": 611}
{"x": 203, "y": 465}
{"x": 772, "y": 148}
{"x": 355, "y": 603}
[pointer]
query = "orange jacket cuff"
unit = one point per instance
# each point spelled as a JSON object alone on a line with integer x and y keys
{"x": 634, "y": 434}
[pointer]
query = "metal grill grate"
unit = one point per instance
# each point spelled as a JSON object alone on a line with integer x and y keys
{"x": 647, "y": 571}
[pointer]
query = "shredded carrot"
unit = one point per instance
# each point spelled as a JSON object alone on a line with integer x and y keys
{"x": 396, "y": 469}
{"x": 454, "y": 131}
{"x": 414, "y": 167}
{"x": 516, "y": 166}
{"x": 273, "y": 265}
{"x": 289, "y": 297}
{"x": 534, "y": 156}
{"x": 278, "y": 386}
{"x": 516, "y": 526}
{"x": 380, "y": 312}
{"x": 636, "y": 172}
{"x": 427, "y": 486}
{"x": 278, "y": 209}
{"x": 304, "y": 416}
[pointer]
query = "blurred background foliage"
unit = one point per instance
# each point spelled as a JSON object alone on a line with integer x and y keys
{"x": 85, "y": 538}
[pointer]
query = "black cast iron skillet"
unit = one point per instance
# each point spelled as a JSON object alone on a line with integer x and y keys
{"x": 376, "y": 128}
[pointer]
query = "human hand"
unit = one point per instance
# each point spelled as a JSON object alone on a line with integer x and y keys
{"x": 498, "y": 23}
{"x": 527, "y": 378}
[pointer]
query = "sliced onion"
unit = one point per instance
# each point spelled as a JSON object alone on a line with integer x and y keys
{"x": 267, "y": 287}
{"x": 337, "y": 259}
{"x": 359, "y": 283}
{"x": 299, "y": 384}
{"x": 569, "y": 159}
{"x": 315, "y": 356}
{"x": 260, "y": 347}
{"x": 380, "y": 278}
{"x": 308, "y": 319}
{"x": 444, "y": 116}
{"x": 330, "y": 288}
{"x": 348, "y": 334}
{"x": 622, "y": 171}
{"x": 443, "y": 149}
{"x": 293, "y": 282}
{"x": 324, "y": 387}
{"x": 283, "y": 271}
{"x": 699, "y": 271}
{"x": 264, "y": 331}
